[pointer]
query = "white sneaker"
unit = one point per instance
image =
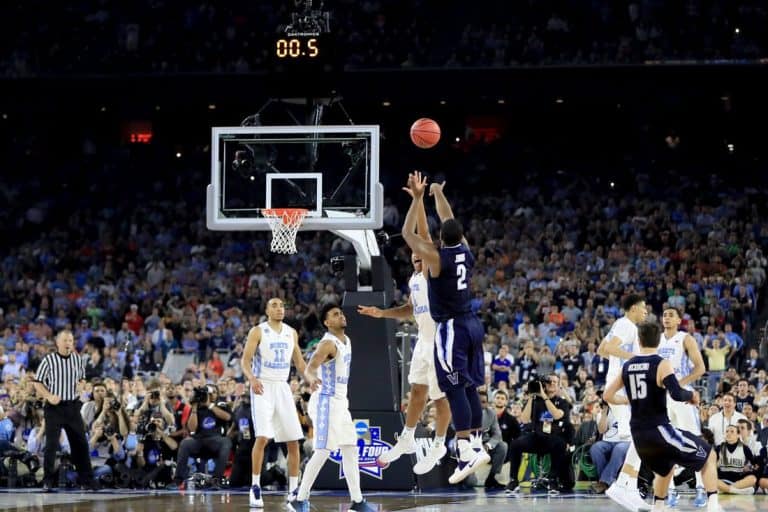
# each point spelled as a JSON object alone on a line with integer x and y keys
{"x": 426, "y": 464}
{"x": 629, "y": 499}
{"x": 467, "y": 467}
{"x": 746, "y": 490}
{"x": 254, "y": 497}
{"x": 404, "y": 445}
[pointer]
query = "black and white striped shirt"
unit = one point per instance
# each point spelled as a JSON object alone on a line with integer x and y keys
{"x": 60, "y": 374}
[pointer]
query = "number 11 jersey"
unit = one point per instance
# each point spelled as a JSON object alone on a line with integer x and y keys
{"x": 272, "y": 360}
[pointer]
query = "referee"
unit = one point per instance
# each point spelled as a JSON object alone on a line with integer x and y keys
{"x": 56, "y": 382}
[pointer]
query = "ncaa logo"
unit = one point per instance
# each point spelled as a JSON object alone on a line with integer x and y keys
{"x": 369, "y": 447}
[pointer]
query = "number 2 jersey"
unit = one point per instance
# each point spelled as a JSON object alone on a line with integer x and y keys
{"x": 449, "y": 293}
{"x": 647, "y": 400}
{"x": 272, "y": 360}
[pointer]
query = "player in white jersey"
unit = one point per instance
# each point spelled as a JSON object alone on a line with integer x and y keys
{"x": 681, "y": 349}
{"x": 329, "y": 411}
{"x": 266, "y": 363}
{"x": 422, "y": 376}
{"x": 619, "y": 345}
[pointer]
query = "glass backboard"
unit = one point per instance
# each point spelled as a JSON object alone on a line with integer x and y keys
{"x": 332, "y": 171}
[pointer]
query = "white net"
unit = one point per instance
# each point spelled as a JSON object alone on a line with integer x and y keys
{"x": 285, "y": 223}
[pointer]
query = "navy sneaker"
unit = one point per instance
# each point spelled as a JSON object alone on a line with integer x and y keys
{"x": 362, "y": 506}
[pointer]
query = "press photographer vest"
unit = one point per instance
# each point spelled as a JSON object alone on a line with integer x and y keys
{"x": 208, "y": 425}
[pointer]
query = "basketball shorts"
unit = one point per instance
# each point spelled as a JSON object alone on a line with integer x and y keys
{"x": 332, "y": 422}
{"x": 663, "y": 446}
{"x": 274, "y": 413}
{"x": 459, "y": 352}
{"x": 683, "y": 416}
{"x": 423, "y": 368}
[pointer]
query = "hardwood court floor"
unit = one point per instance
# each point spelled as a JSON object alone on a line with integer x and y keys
{"x": 237, "y": 501}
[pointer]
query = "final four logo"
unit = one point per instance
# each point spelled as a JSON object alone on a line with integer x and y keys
{"x": 369, "y": 446}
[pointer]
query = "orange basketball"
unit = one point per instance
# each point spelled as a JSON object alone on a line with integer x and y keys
{"x": 425, "y": 133}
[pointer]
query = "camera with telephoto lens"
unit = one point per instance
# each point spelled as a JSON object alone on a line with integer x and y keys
{"x": 151, "y": 427}
{"x": 114, "y": 405}
{"x": 199, "y": 395}
{"x": 155, "y": 395}
{"x": 536, "y": 384}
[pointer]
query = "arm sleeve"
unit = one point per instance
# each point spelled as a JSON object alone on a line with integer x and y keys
{"x": 675, "y": 391}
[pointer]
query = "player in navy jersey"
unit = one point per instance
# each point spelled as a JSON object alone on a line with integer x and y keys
{"x": 459, "y": 362}
{"x": 647, "y": 378}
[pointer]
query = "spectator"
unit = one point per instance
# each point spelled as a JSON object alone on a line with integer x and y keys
{"x": 727, "y": 417}
{"x": 608, "y": 453}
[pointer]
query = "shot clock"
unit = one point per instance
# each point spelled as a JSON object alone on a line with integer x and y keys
{"x": 299, "y": 47}
{"x": 302, "y": 52}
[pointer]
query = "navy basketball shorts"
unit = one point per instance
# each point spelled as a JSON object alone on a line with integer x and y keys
{"x": 663, "y": 446}
{"x": 459, "y": 352}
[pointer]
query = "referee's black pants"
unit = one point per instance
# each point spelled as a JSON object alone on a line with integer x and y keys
{"x": 66, "y": 415}
{"x": 540, "y": 444}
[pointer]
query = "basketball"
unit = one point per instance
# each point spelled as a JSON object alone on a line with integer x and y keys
{"x": 425, "y": 133}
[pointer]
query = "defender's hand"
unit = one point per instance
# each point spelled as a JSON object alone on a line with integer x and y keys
{"x": 371, "y": 311}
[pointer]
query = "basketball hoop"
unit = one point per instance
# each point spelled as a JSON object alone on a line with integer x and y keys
{"x": 285, "y": 223}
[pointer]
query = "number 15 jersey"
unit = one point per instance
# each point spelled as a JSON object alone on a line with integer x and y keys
{"x": 272, "y": 360}
{"x": 647, "y": 399}
{"x": 450, "y": 293}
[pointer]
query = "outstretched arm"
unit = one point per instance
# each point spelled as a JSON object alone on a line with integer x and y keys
{"x": 416, "y": 186}
{"x": 398, "y": 312}
{"x": 441, "y": 204}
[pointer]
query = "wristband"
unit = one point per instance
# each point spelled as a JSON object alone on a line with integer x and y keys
{"x": 211, "y": 406}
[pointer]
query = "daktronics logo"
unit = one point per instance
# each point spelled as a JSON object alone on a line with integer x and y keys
{"x": 369, "y": 446}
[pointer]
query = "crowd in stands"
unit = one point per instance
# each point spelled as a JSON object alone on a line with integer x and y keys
{"x": 157, "y": 36}
{"x": 553, "y": 263}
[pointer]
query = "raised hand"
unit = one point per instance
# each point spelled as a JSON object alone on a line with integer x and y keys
{"x": 436, "y": 187}
{"x": 417, "y": 185}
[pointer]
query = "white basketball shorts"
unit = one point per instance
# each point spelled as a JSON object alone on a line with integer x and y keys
{"x": 332, "y": 422}
{"x": 274, "y": 413}
{"x": 423, "y": 368}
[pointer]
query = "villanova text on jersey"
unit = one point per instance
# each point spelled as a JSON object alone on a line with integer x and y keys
{"x": 449, "y": 293}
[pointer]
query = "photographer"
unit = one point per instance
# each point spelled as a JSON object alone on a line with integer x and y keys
{"x": 107, "y": 442}
{"x": 180, "y": 412}
{"x": 548, "y": 413}
{"x": 155, "y": 401}
{"x": 156, "y": 453}
{"x": 93, "y": 408}
{"x": 242, "y": 434}
{"x": 206, "y": 423}
{"x": 114, "y": 415}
